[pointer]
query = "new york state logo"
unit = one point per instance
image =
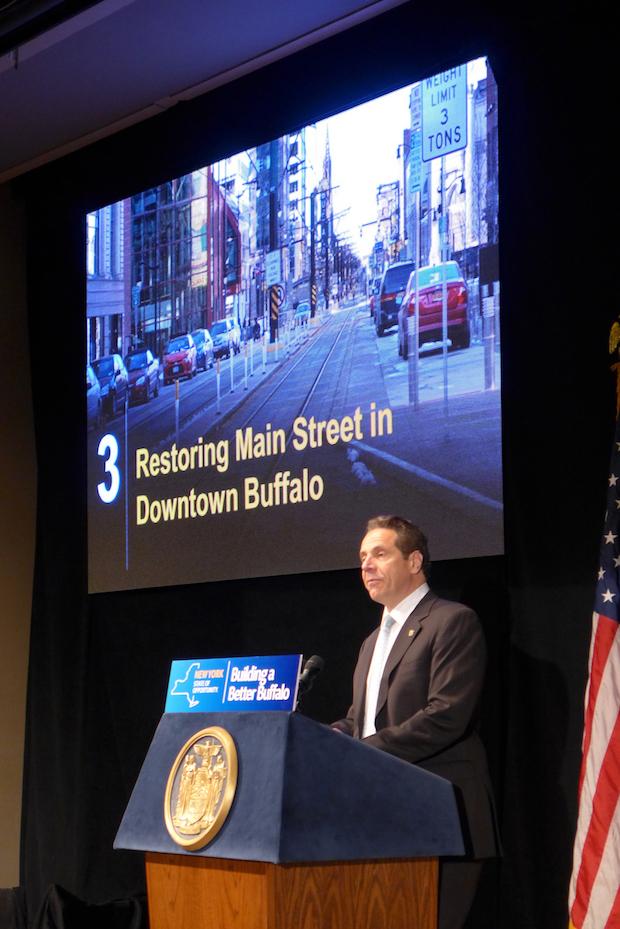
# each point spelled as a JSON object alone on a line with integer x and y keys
{"x": 201, "y": 788}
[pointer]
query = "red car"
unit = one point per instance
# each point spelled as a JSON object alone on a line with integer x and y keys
{"x": 179, "y": 358}
{"x": 430, "y": 293}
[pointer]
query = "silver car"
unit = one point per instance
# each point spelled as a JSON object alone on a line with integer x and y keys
{"x": 226, "y": 336}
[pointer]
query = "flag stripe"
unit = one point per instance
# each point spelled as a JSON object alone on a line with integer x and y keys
{"x": 603, "y": 636}
{"x": 603, "y": 719}
{"x": 613, "y": 921}
{"x": 604, "y": 807}
{"x": 586, "y": 699}
{"x": 604, "y": 909}
{"x": 594, "y": 895}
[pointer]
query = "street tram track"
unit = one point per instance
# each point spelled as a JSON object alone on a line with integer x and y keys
{"x": 287, "y": 374}
{"x": 334, "y": 362}
{"x": 206, "y": 407}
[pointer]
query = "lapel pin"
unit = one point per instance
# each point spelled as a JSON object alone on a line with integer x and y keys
{"x": 410, "y": 633}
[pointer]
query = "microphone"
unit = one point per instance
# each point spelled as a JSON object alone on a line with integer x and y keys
{"x": 311, "y": 671}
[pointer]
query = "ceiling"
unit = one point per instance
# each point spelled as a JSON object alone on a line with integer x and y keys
{"x": 118, "y": 62}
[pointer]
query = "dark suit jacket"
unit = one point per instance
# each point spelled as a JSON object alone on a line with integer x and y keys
{"x": 427, "y": 708}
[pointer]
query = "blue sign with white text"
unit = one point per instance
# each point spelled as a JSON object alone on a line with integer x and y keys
{"x": 209, "y": 685}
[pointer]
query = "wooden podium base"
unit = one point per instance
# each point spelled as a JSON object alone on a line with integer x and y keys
{"x": 215, "y": 893}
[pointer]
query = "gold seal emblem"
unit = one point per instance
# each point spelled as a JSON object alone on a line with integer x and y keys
{"x": 201, "y": 788}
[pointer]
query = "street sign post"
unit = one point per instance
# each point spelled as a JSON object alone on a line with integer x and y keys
{"x": 444, "y": 130}
{"x": 416, "y": 109}
{"x": 273, "y": 273}
{"x": 415, "y": 163}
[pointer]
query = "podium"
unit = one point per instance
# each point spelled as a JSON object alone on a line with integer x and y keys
{"x": 324, "y": 832}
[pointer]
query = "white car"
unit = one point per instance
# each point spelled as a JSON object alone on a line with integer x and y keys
{"x": 302, "y": 314}
{"x": 226, "y": 336}
{"x": 93, "y": 399}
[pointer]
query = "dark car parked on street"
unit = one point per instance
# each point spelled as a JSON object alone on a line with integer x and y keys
{"x": 143, "y": 370}
{"x": 204, "y": 349}
{"x": 391, "y": 292}
{"x": 114, "y": 383}
{"x": 430, "y": 296}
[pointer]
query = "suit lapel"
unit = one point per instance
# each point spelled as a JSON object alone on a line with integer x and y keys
{"x": 406, "y": 637}
{"x": 362, "y": 670}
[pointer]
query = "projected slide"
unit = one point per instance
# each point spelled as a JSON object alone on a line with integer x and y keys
{"x": 298, "y": 337}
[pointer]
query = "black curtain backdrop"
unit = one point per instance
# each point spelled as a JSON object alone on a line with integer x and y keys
{"x": 99, "y": 664}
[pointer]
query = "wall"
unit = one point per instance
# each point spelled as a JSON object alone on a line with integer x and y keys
{"x": 17, "y": 524}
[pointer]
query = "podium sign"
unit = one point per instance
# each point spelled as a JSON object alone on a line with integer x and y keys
{"x": 210, "y": 685}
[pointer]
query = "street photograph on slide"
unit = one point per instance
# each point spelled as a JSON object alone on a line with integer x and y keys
{"x": 299, "y": 336}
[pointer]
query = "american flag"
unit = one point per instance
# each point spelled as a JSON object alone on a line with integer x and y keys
{"x": 594, "y": 895}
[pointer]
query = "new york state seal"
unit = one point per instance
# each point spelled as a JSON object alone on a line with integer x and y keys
{"x": 201, "y": 788}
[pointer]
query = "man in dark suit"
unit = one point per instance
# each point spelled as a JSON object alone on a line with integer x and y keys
{"x": 416, "y": 689}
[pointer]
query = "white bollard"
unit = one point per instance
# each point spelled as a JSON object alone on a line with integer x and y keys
{"x": 177, "y": 400}
{"x": 217, "y": 384}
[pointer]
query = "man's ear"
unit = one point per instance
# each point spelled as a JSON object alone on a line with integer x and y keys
{"x": 415, "y": 560}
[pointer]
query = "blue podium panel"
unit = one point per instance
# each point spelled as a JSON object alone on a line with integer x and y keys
{"x": 345, "y": 800}
{"x": 252, "y": 829}
{"x": 304, "y": 793}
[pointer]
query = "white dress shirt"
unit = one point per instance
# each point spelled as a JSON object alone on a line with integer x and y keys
{"x": 400, "y": 613}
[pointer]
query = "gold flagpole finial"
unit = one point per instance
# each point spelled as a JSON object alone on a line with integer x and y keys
{"x": 614, "y": 342}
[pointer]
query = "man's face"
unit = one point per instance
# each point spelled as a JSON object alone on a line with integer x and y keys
{"x": 387, "y": 574}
